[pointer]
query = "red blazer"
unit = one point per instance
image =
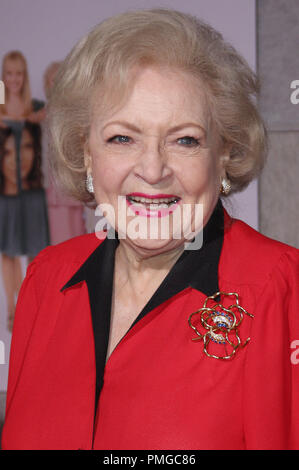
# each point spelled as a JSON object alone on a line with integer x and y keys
{"x": 160, "y": 390}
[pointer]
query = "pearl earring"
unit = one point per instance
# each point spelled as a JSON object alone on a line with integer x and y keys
{"x": 89, "y": 184}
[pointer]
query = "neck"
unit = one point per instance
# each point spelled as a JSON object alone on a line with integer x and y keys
{"x": 141, "y": 267}
{"x": 14, "y": 98}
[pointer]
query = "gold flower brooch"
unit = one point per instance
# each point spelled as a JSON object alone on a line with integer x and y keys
{"x": 219, "y": 325}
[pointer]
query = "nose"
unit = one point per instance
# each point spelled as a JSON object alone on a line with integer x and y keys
{"x": 153, "y": 164}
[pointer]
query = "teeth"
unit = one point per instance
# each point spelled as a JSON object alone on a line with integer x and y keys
{"x": 144, "y": 200}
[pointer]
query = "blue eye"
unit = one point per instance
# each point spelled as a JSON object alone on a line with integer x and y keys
{"x": 189, "y": 141}
{"x": 120, "y": 139}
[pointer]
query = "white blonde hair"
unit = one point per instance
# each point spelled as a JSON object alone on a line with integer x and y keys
{"x": 103, "y": 60}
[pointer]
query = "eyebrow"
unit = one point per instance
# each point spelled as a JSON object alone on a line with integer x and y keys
{"x": 136, "y": 129}
{"x": 125, "y": 124}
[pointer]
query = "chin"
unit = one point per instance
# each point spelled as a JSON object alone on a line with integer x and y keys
{"x": 156, "y": 246}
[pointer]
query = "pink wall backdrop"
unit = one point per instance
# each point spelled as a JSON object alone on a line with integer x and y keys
{"x": 45, "y": 31}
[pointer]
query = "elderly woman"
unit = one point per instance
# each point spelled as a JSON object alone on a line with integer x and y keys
{"x": 175, "y": 329}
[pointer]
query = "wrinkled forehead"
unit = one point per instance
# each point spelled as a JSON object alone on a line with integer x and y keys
{"x": 181, "y": 91}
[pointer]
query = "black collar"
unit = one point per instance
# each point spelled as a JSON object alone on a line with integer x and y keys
{"x": 194, "y": 268}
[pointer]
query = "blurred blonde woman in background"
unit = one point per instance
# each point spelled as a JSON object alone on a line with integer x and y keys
{"x": 23, "y": 214}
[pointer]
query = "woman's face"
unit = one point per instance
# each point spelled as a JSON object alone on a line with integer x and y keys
{"x": 155, "y": 157}
{"x": 9, "y": 166}
{"x": 14, "y": 76}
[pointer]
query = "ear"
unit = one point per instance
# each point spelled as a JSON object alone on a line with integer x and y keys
{"x": 224, "y": 158}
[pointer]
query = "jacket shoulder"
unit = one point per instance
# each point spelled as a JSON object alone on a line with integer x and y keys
{"x": 54, "y": 265}
{"x": 74, "y": 250}
{"x": 250, "y": 256}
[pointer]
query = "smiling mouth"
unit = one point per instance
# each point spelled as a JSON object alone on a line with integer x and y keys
{"x": 153, "y": 202}
{"x": 159, "y": 205}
